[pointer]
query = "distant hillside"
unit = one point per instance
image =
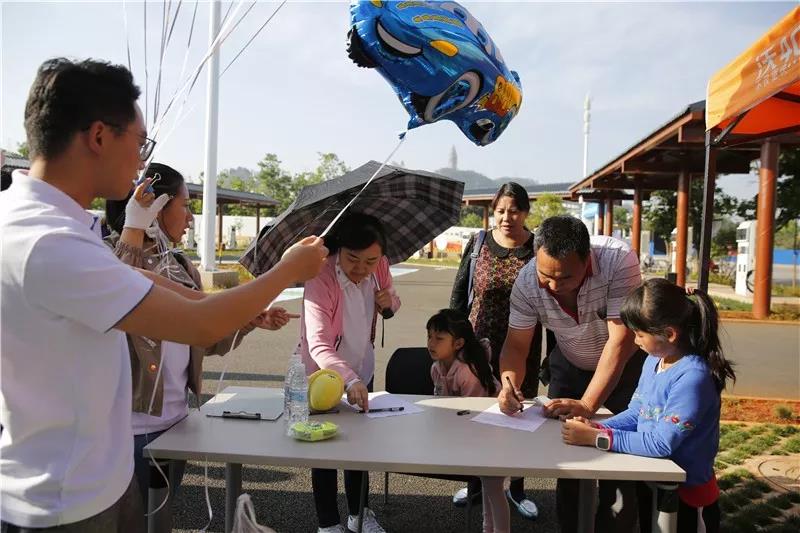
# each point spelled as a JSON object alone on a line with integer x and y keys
{"x": 476, "y": 180}
{"x": 471, "y": 179}
{"x": 525, "y": 182}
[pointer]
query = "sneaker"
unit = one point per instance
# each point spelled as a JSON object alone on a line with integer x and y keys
{"x": 460, "y": 497}
{"x": 338, "y": 528}
{"x": 370, "y": 525}
{"x": 525, "y": 507}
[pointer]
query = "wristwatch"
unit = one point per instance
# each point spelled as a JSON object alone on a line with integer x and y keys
{"x": 602, "y": 441}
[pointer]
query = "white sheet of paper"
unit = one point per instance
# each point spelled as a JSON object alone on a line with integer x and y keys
{"x": 528, "y": 420}
{"x": 382, "y": 399}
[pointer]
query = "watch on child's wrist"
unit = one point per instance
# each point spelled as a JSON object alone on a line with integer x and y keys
{"x": 602, "y": 440}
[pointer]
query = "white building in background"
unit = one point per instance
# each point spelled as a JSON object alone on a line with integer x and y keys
{"x": 245, "y": 228}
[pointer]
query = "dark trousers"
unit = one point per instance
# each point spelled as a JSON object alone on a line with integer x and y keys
{"x": 125, "y": 516}
{"x": 617, "y": 508}
{"x": 325, "y": 486}
{"x": 147, "y": 474}
{"x": 688, "y": 516}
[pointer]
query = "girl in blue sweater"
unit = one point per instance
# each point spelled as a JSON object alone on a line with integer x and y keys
{"x": 675, "y": 410}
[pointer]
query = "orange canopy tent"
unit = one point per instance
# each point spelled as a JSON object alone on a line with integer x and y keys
{"x": 756, "y": 96}
{"x": 758, "y": 93}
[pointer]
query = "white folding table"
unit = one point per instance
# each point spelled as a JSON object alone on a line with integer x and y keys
{"x": 426, "y": 443}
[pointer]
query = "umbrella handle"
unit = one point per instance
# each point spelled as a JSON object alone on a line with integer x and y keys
{"x": 387, "y": 312}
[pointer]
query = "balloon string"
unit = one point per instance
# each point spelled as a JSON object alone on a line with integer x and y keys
{"x": 339, "y": 215}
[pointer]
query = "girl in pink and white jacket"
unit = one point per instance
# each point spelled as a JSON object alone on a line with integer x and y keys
{"x": 337, "y": 332}
{"x": 461, "y": 367}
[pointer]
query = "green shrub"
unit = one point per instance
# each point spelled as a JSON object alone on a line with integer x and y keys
{"x": 748, "y": 449}
{"x": 737, "y": 475}
{"x": 759, "y": 513}
{"x": 784, "y": 412}
{"x": 785, "y": 431}
{"x": 792, "y": 445}
{"x": 750, "y": 492}
{"x": 781, "y": 501}
{"x": 759, "y": 485}
{"x": 763, "y": 442}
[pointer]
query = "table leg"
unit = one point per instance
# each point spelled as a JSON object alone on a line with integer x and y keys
{"x": 665, "y": 507}
{"x": 362, "y": 502}
{"x": 587, "y": 504}
{"x": 233, "y": 487}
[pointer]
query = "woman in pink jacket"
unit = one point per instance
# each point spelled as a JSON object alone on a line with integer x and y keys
{"x": 340, "y": 311}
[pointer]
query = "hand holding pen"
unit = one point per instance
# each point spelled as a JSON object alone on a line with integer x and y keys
{"x": 510, "y": 399}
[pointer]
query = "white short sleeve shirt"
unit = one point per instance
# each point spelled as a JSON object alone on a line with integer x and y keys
{"x": 66, "y": 448}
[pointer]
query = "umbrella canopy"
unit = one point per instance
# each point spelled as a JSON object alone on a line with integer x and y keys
{"x": 414, "y": 206}
{"x": 758, "y": 93}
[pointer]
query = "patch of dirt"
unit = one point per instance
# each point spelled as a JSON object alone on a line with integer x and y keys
{"x": 757, "y": 410}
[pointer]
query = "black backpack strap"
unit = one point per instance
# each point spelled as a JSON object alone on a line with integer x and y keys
{"x": 473, "y": 260}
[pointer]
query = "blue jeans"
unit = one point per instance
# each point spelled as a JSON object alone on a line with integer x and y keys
{"x": 145, "y": 472}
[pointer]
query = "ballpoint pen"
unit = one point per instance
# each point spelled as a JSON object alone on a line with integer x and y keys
{"x": 385, "y": 410}
{"x": 508, "y": 379}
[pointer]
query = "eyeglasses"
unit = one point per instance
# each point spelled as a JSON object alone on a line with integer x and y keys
{"x": 145, "y": 150}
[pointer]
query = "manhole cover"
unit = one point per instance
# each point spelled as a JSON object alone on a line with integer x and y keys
{"x": 782, "y": 471}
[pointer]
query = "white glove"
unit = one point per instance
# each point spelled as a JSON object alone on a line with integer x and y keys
{"x": 137, "y": 216}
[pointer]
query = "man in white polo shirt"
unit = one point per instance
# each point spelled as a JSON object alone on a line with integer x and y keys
{"x": 66, "y": 447}
{"x": 574, "y": 286}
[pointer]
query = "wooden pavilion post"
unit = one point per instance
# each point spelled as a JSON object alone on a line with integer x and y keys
{"x": 609, "y": 218}
{"x": 682, "y": 225}
{"x": 765, "y": 226}
{"x": 636, "y": 223}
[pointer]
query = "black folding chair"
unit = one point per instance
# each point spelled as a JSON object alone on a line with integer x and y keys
{"x": 409, "y": 372}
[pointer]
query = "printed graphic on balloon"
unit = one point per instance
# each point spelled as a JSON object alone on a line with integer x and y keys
{"x": 440, "y": 61}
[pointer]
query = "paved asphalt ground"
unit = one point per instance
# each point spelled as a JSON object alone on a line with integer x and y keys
{"x": 767, "y": 357}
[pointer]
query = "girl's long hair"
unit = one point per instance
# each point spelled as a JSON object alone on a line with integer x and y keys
{"x": 473, "y": 354}
{"x": 658, "y": 304}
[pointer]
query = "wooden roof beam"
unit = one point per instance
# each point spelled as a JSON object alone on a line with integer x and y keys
{"x": 692, "y": 134}
{"x": 729, "y": 166}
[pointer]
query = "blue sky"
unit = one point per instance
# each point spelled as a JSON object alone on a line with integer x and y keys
{"x": 294, "y": 92}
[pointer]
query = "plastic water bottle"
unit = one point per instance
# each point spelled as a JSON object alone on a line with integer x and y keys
{"x": 294, "y": 361}
{"x": 298, "y": 397}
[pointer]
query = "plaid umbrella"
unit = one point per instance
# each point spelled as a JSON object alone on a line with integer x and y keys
{"x": 414, "y": 207}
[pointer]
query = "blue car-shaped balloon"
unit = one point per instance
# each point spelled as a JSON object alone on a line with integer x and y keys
{"x": 441, "y": 63}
